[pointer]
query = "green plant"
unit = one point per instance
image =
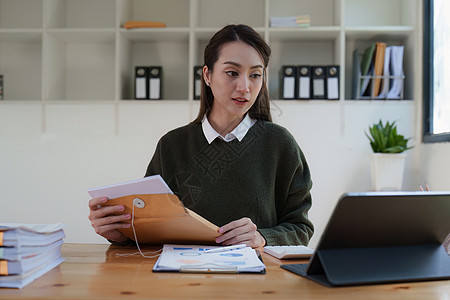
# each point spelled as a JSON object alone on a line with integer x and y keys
{"x": 384, "y": 138}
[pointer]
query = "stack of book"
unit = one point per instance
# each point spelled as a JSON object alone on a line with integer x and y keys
{"x": 27, "y": 251}
{"x": 295, "y": 21}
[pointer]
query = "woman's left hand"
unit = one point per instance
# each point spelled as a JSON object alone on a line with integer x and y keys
{"x": 242, "y": 231}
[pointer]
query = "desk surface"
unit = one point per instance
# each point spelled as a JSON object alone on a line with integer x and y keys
{"x": 95, "y": 271}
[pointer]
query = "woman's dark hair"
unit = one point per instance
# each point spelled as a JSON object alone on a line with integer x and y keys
{"x": 260, "y": 110}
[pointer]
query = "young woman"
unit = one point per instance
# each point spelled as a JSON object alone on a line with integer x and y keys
{"x": 232, "y": 165}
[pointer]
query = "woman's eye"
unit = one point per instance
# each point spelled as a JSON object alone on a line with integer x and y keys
{"x": 232, "y": 73}
{"x": 257, "y": 75}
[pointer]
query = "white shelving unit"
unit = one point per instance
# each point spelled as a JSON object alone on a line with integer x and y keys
{"x": 68, "y": 120}
{"x": 77, "y": 51}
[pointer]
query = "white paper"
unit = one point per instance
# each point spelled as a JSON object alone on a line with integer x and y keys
{"x": 333, "y": 88}
{"x": 19, "y": 281}
{"x": 197, "y": 88}
{"x": 18, "y": 253}
{"x": 386, "y": 73}
{"x": 288, "y": 87}
{"x": 141, "y": 92}
{"x": 147, "y": 185}
{"x": 318, "y": 87}
{"x": 36, "y": 228}
{"x": 154, "y": 88}
{"x": 303, "y": 90}
{"x": 24, "y": 237}
{"x": 397, "y": 71}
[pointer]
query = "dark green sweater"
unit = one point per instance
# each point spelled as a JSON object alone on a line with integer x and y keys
{"x": 264, "y": 177}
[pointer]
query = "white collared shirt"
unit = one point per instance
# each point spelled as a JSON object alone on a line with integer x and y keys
{"x": 238, "y": 133}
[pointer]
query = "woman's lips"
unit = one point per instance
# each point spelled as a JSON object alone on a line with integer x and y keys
{"x": 240, "y": 100}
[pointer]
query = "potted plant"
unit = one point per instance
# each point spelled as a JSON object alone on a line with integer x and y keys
{"x": 388, "y": 159}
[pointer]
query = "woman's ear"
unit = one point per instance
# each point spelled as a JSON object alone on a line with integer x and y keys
{"x": 206, "y": 75}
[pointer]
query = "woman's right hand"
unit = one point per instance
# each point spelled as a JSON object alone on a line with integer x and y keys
{"x": 105, "y": 221}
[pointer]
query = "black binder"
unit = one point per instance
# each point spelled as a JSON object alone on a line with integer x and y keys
{"x": 288, "y": 82}
{"x": 318, "y": 84}
{"x": 154, "y": 83}
{"x": 2, "y": 91}
{"x": 141, "y": 82}
{"x": 197, "y": 81}
{"x": 381, "y": 237}
{"x": 332, "y": 77}
{"x": 304, "y": 82}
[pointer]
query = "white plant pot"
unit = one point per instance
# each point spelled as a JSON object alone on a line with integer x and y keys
{"x": 387, "y": 171}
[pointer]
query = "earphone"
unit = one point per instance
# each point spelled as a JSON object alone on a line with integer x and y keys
{"x": 139, "y": 203}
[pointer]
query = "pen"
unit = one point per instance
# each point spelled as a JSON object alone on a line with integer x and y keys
{"x": 222, "y": 249}
{"x": 427, "y": 188}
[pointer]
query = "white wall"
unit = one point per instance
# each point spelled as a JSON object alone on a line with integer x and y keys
{"x": 435, "y": 166}
{"x": 44, "y": 176}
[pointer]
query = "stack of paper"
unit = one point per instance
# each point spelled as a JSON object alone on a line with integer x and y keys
{"x": 297, "y": 21}
{"x": 189, "y": 258}
{"x": 397, "y": 71}
{"x": 27, "y": 251}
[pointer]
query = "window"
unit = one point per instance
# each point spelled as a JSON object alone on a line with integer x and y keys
{"x": 436, "y": 71}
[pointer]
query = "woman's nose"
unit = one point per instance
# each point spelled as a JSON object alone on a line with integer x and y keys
{"x": 242, "y": 85}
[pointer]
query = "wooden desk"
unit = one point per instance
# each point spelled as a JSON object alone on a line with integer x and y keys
{"x": 94, "y": 271}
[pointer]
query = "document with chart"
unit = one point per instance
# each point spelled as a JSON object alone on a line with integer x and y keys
{"x": 190, "y": 258}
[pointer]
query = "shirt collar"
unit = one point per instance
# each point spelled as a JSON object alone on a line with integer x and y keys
{"x": 238, "y": 133}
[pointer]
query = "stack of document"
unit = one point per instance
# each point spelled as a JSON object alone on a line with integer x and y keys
{"x": 297, "y": 21}
{"x": 27, "y": 251}
{"x": 381, "y": 74}
{"x": 189, "y": 258}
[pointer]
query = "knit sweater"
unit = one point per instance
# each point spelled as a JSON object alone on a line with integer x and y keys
{"x": 264, "y": 177}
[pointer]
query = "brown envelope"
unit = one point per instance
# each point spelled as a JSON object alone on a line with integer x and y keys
{"x": 162, "y": 219}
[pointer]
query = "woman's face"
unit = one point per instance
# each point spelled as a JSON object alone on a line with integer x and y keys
{"x": 236, "y": 80}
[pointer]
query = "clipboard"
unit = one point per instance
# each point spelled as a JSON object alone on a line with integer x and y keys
{"x": 194, "y": 259}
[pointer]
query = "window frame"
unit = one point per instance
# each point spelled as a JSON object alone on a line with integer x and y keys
{"x": 428, "y": 77}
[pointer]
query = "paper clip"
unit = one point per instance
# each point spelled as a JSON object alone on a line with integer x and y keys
{"x": 208, "y": 268}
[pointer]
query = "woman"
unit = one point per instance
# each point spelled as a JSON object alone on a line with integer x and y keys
{"x": 232, "y": 165}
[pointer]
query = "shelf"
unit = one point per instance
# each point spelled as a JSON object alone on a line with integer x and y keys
{"x": 61, "y": 14}
{"x": 379, "y": 13}
{"x": 218, "y": 13}
{"x": 156, "y": 34}
{"x": 21, "y": 35}
{"x": 171, "y": 54}
{"x": 379, "y": 32}
{"x": 175, "y": 13}
{"x": 151, "y": 102}
{"x": 80, "y": 70}
{"x": 306, "y": 101}
{"x": 21, "y": 49}
{"x": 12, "y": 16}
{"x": 84, "y": 35}
{"x": 20, "y": 102}
{"x": 321, "y": 12}
{"x": 80, "y": 102}
{"x": 309, "y": 33}
{"x": 78, "y": 50}
{"x": 379, "y": 100}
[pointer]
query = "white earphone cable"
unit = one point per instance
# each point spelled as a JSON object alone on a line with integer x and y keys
{"x": 153, "y": 253}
